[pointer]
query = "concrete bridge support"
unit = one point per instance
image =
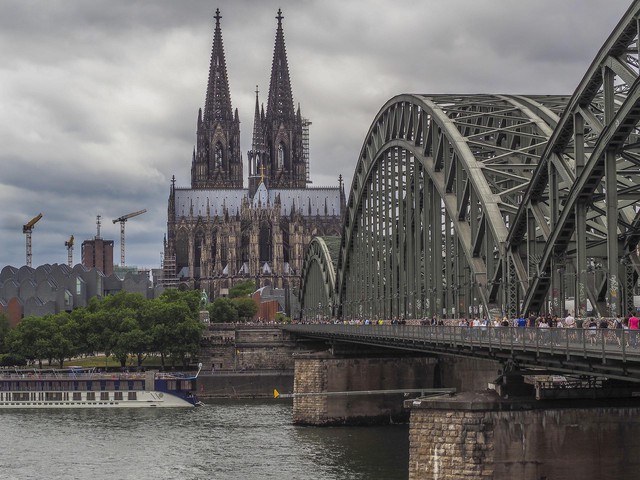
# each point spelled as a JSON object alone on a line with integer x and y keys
{"x": 482, "y": 436}
{"x": 465, "y": 373}
{"x": 324, "y": 373}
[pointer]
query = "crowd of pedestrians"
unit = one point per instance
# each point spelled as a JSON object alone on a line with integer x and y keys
{"x": 551, "y": 328}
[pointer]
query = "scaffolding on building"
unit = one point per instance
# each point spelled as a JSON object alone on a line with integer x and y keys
{"x": 169, "y": 277}
{"x": 305, "y": 145}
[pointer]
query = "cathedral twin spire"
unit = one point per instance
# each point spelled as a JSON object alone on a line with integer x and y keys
{"x": 218, "y": 100}
{"x": 217, "y": 162}
{"x": 280, "y": 102}
{"x": 276, "y": 153}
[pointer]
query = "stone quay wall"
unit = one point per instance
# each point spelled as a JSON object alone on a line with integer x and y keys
{"x": 476, "y": 436}
{"x": 242, "y": 347}
{"x": 245, "y": 361}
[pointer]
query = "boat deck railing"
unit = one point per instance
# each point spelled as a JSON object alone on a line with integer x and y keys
{"x": 52, "y": 374}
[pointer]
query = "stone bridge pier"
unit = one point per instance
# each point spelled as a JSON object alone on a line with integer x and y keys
{"x": 324, "y": 385}
{"x": 479, "y": 435}
{"x": 493, "y": 427}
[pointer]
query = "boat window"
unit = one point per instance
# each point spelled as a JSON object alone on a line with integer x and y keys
{"x": 104, "y": 395}
{"x": 77, "y": 396}
{"x": 117, "y": 395}
{"x": 91, "y": 395}
{"x": 132, "y": 395}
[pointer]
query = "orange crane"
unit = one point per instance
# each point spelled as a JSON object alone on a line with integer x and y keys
{"x": 122, "y": 221}
{"x": 26, "y": 229}
{"x": 69, "y": 245}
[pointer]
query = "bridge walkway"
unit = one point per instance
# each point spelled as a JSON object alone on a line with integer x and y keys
{"x": 562, "y": 350}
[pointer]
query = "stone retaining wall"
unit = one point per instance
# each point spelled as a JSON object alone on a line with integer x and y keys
{"x": 478, "y": 436}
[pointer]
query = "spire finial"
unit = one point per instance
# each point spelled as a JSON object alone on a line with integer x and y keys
{"x": 279, "y": 17}
{"x": 217, "y": 16}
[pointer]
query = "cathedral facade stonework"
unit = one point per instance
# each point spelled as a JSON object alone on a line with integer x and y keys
{"x": 219, "y": 233}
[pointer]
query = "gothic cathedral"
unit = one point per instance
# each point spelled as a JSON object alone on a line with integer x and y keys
{"x": 219, "y": 233}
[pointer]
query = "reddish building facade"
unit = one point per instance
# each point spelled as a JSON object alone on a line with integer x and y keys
{"x": 98, "y": 253}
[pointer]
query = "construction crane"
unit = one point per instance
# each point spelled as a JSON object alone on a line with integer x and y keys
{"x": 69, "y": 245}
{"x": 122, "y": 221}
{"x": 26, "y": 229}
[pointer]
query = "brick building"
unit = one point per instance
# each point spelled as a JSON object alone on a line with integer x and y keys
{"x": 98, "y": 253}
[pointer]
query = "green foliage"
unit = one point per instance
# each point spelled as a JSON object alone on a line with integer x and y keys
{"x": 282, "y": 318}
{"x": 190, "y": 297}
{"x": 11, "y": 359}
{"x": 242, "y": 289}
{"x": 246, "y": 306}
{"x": 123, "y": 326}
{"x": 4, "y": 331}
{"x": 223, "y": 310}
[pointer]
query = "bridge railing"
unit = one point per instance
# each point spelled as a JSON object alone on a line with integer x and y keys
{"x": 618, "y": 344}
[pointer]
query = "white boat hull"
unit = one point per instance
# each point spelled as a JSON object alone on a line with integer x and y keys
{"x": 143, "y": 399}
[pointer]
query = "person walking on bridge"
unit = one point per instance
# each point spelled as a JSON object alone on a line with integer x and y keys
{"x": 633, "y": 329}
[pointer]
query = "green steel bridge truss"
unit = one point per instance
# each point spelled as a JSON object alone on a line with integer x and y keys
{"x": 494, "y": 204}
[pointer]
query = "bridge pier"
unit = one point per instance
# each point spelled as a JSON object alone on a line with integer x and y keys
{"x": 465, "y": 373}
{"x": 479, "y": 435}
{"x": 325, "y": 373}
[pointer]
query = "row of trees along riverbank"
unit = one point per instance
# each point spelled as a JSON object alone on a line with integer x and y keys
{"x": 122, "y": 326}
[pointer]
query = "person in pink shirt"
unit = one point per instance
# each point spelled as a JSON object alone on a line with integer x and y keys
{"x": 633, "y": 327}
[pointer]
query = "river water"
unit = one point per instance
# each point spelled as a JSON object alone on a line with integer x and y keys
{"x": 242, "y": 440}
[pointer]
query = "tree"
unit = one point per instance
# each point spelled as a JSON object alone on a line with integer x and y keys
{"x": 247, "y": 307}
{"x": 33, "y": 338}
{"x": 191, "y": 298}
{"x": 242, "y": 289}
{"x": 119, "y": 325}
{"x": 164, "y": 314}
{"x": 223, "y": 310}
{"x": 282, "y": 318}
{"x": 186, "y": 341}
{"x": 4, "y": 332}
{"x": 64, "y": 337}
{"x": 111, "y": 321}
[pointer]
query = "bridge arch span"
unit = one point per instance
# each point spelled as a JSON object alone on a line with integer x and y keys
{"x": 499, "y": 204}
{"x": 585, "y": 192}
{"x": 317, "y": 291}
{"x": 435, "y": 186}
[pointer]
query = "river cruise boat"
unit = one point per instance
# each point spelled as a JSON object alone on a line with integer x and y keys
{"x": 76, "y": 387}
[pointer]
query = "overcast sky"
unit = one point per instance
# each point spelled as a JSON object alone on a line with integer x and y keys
{"x": 99, "y": 99}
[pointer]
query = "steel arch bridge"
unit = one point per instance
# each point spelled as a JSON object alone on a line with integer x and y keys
{"x": 498, "y": 204}
{"x": 318, "y": 289}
